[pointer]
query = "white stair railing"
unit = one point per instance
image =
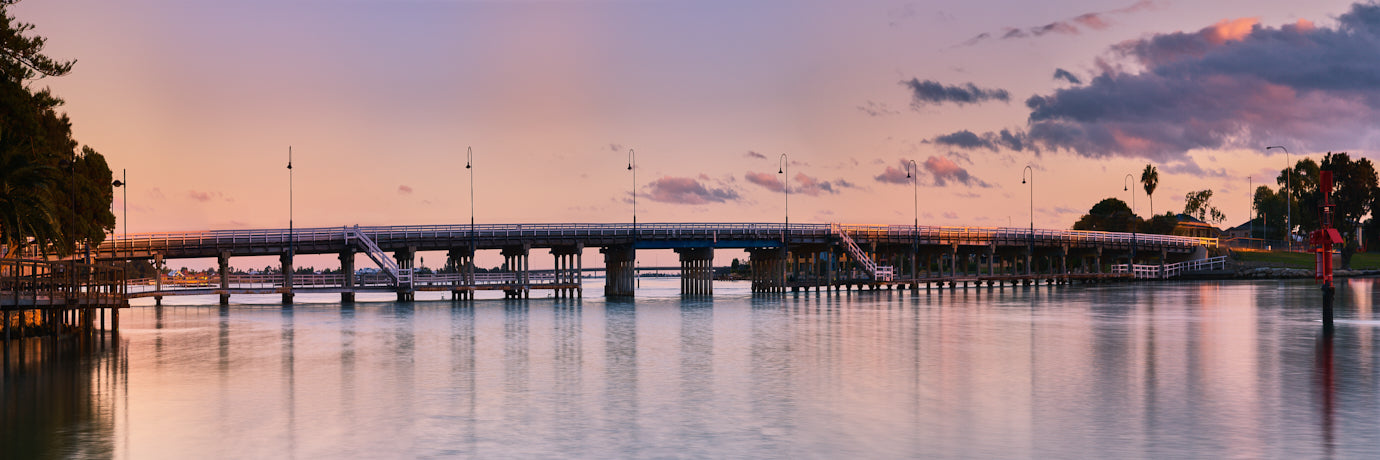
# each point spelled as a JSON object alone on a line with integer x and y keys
{"x": 880, "y": 273}
{"x": 401, "y": 276}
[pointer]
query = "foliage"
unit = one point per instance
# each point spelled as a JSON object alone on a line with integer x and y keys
{"x": 1109, "y": 215}
{"x": 1199, "y": 205}
{"x": 1162, "y": 224}
{"x": 1150, "y": 178}
{"x": 49, "y": 194}
{"x": 1270, "y": 209}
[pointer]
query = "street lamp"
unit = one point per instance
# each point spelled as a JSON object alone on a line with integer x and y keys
{"x": 1289, "y": 196}
{"x": 783, "y": 166}
{"x": 1031, "y": 171}
{"x": 291, "y": 240}
{"x": 1127, "y": 187}
{"x": 632, "y": 166}
{"x": 915, "y": 210}
{"x": 469, "y": 164}
{"x": 123, "y": 183}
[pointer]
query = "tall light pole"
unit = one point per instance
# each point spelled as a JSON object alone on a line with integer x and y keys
{"x": 123, "y": 183}
{"x": 469, "y": 165}
{"x": 1030, "y": 254}
{"x": 632, "y": 166}
{"x": 291, "y": 240}
{"x": 915, "y": 212}
{"x": 1288, "y": 196}
{"x": 1250, "y": 195}
{"x": 1127, "y": 187}
{"x": 783, "y": 168}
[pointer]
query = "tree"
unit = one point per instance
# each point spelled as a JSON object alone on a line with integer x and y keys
{"x": 1270, "y": 207}
{"x": 1353, "y": 191}
{"x": 1109, "y": 215}
{"x": 50, "y": 195}
{"x": 1300, "y": 185}
{"x": 1199, "y": 205}
{"x": 1150, "y": 178}
{"x": 1162, "y": 224}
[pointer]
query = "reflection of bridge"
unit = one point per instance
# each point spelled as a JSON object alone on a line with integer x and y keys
{"x": 821, "y": 256}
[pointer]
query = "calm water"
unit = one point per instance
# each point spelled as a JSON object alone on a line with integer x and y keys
{"x": 1205, "y": 370}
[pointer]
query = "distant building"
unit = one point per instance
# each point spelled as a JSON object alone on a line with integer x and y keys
{"x": 1244, "y": 230}
{"x": 1189, "y": 226}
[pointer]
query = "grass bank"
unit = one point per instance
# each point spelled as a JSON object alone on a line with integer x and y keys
{"x": 1363, "y": 261}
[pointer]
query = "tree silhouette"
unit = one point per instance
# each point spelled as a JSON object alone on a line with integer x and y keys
{"x": 1150, "y": 178}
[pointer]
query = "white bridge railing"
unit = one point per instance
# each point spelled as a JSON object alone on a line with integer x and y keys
{"x": 1141, "y": 271}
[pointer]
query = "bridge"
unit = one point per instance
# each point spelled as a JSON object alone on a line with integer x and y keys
{"x": 794, "y": 257}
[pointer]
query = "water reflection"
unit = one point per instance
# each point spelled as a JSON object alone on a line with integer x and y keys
{"x": 1166, "y": 370}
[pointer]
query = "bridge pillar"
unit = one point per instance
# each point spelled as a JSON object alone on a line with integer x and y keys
{"x": 696, "y": 271}
{"x": 285, "y": 260}
{"x": 519, "y": 261}
{"x": 462, "y": 260}
{"x": 1097, "y": 260}
{"x": 568, "y": 269}
{"x": 619, "y": 270}
{"x": 768, "y": 269}
{"x": 406, "y": 260}
{"x": 223, "y": 269}
{"x": 992, "y": 259}
{"x": 347, "y": 271}
{"x": 158, "y": 279}
{"x": 953, "y": 260}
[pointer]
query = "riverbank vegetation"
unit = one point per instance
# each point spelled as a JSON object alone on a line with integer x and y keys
{"x": 53, "y": 195}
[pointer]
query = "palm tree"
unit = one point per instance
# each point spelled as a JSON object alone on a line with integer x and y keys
{"x": 1151, "y": 179}
{"x": 26, "y": 214}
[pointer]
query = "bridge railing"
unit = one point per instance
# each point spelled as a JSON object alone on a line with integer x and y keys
{"x": 151, "y": 242}
{"x": 38, "y": 283}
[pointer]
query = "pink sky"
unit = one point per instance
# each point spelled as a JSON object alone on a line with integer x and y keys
{"x": 379, "y": 99}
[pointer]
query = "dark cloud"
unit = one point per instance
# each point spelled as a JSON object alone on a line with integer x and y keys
{"x": 875, "y": 109}
{"x": 960, "y": 156}
{"x": 1072, "y": 26}
{"x": 965, "y": 139}
{"x": 813, "y": 186}
{"x": 204, "y": 196}
{"x": 404, "y": 190}
{"x": 752, "y": 154}
{"x": 615, "y": 147}
{"x": 1235, "y": 84}
{"x": 930, "y": 92}
{"x": 1061, "y": 74}
{"x": 686, "y": 190}
{"x": 944, "y": 172}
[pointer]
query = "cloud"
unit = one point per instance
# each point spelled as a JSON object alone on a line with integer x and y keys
{"x": 950, "y": 215}
{"x": 1234, "y": 84}
{"x": 895, "y": 174}
{"x": 965, "y": 139}
{"x": 813, "y": 186}
{"x": 930, "y": 92}
{"x": 615, "y": 147}
{"x": 960, "y": 156}
{"x": 752, "y": 154}
{"x": 1099, "y": 20}
{"x": 767, "y": 180}
{"x": 404, "y": 190}
{"x": 876, "y": 109}
{"x": 204, "y": 196}
{"x": 944, "y": 172}
{"x": 1061, "y": 74}
{"x": 685, "y": 190}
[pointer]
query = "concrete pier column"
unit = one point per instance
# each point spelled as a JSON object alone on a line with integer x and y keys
{"x": 696, "y": 271}
{"x": 462, "y": 261}
{"x": 953, "y": 261}
{"x": 286, "y": 261}
{"x": 519, "y": 262}
{"x": 1097, "y": 260}
{"x": 223, "y": 269}
{"x": 406, "y": 260}
{"x": 768, "y": 267}
{"x": 567, "y": 273}
{"x": 619, "y": 270}
{"x": 347, "y": 272}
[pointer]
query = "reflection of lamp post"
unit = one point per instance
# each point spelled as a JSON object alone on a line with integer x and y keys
{"x": 783, "y": 166}
{"x": 632, "y": 166}
{"x": 1289, "y": 196}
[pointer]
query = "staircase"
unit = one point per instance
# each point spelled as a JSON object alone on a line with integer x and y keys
{"x": 402, "y": 277}
{"x": 879, "y": 273}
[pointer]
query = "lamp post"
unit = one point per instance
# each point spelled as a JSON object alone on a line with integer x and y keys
{"x": 1031, "y": 249}
{"x": 915, "y": 212}
{"x": 1250, "y": 195}
{"x": 291, "y": 240}
{"x": 123, "y": 183}
{"x": 632, "y": 166}
{"x": 783, "y": 168}
{"x": 1126, "y": 186}
{"x": 1288, "y": 198}
{"x": 469, "y": 165}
